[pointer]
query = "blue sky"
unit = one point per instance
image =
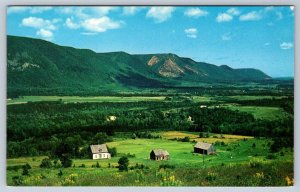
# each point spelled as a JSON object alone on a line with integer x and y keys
{"x": 260, "y": 37}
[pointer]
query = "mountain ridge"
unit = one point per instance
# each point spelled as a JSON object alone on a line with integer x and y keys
{"x": 34, "y": 63}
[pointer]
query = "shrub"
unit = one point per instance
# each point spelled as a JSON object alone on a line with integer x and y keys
{"x": 14, "y": 167}
{"x": 271, "y": 156}
{"x": 211, "y": 176}
{"x": 185, "y": 139}
{"x": 112, "y": 151}
{"x": 60, "y": 173}
{"x": 166, "y": 166}
{"x": 255, "y": 164}
{"x": 201, "y": 135}
{"x": 98, "y": 165}
{"x": 18, "y": 180}
{"x": 46, "y": 163}
{"x": 123, "y": 164}
{"x": 82, "y": 166}
{"x": 253, "y": 145}
{"x": 25, "y": 170}
{"x": 66, "y": 161}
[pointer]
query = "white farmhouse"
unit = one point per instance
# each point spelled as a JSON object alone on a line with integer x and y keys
{"x": 100, "y": 152}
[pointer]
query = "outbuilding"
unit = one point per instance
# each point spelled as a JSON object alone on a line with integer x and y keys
{"x": 159, "y": 154}
{"x": 204, "y": 148}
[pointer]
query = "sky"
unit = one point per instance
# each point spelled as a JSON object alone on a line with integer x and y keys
{"x": 260, "y": 37}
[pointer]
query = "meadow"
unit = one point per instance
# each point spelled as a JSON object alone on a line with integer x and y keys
{"x": 250, "y": 140}
{"x": 236, "y": 152}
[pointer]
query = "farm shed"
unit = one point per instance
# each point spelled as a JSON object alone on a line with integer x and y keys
{"x": 100, "y": 152}
{"x": 159, "y": 154}
{"x": 204, "y": 148}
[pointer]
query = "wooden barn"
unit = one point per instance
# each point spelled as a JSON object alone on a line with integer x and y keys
{"x": 204, "y": 148}
{"x": 159, "y": 154}
{"x": 100, "y": 152}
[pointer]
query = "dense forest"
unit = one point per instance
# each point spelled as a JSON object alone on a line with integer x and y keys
{"x": 37, "y": 128}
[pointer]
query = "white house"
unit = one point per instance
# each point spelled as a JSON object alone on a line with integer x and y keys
{"x": 100, "y": 152}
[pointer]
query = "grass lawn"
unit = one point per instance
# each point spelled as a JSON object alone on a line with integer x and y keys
{"x": 269, "y": 113}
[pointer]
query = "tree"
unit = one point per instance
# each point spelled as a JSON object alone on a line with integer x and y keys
{"x": 101, "y": 138}
{"x": 123, "y": 164}
{"x": 46, "y": 163}
{"x": 201, "y": 135}
{"x": 26, "y": 168}
{"x": 112, "y": 151}
{"x": 65, "y": 160}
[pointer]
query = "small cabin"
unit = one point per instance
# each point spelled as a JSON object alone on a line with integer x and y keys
{"x": 159, "y": 154}
{"x": 204, "y": 148}
{"x": 100, "y": 152}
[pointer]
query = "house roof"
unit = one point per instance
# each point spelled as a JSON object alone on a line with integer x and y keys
{"x": 160, "y": 152}
{"x": 202, "y": 145}
{"x": 99, "y": 148}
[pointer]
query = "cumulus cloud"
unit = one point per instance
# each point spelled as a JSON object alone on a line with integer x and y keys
{"x": 195, "y": 13}
{"x": 39, "y": 23}
{"x": 286, "y": 45}
{"x": 191, "y": 32}
{"x": 223, "y": 17}
{"x": 44, "y": 33}
{"x": 160, "y": 14}
{"x": 44, "y": 27}
{"x": 233, "y": 11}
{"x": 70, "y": 24}
{"x": 100, "y": 24}
{"x": 251, "y": 16}
{"x": 131, "y": 10}
{"x": 87, "y": 12}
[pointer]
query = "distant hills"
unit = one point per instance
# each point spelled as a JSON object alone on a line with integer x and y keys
{"x": 35, "y": 64}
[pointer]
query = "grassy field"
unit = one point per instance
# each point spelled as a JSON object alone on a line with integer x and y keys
{"x": 236, "y": 151}
{"x": 270, "y": 113}
{"x": 73, "y": 99}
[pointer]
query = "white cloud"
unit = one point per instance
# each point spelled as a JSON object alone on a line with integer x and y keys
{"x": 160, "y": 14}
{"x": 251, "y": 16}
{"x": 32, "y": 9}
{"x": 44, "y": 27}
{"x": 101, "y": 24}
{"x": 233, "y": 11}
{"x": 87, "y": 12}
{"x": 39, "y": 23}
{"x": 99, "y": 11}
{"x": 269, "y": 8}
{"x": 267, "y": 44}
{"x": 17, "y": 9}
{"x": 286, "y": 45}
{"x": 44, "y": 33}
{"x": 191, "y": 32}
{"x": 70, "y": 24}
{"x": 223, "y": 17}
{"x": 226, "y": 37}
{"x": 88, "y": 33}
{"x": 195, "y": 13}
{"x": 131, "y": 10}
{"x": 40, "y": 9}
